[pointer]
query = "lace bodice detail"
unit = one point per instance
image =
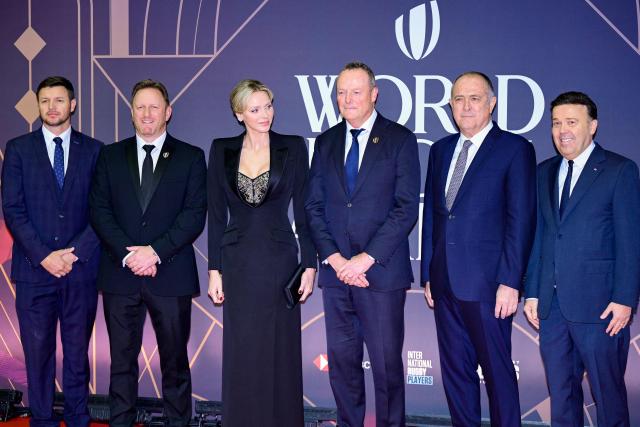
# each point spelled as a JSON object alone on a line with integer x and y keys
{"x": 253, "y": 190}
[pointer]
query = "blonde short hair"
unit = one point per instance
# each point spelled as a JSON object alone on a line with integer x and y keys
{"x": 243, "y": 90}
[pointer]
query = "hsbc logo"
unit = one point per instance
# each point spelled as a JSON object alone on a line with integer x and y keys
{"x": 322, "y": 363}
{"x": 418, "y": 31}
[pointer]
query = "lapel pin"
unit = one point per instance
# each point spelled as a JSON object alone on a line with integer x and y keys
{"x": 165, "y": 154}
{"x": 375, "y": 140}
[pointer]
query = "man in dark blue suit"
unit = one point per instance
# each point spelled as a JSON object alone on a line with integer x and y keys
{"x": 45, "y": 189}
{"x": 479, "y": 222}
{"x": 583, "y": 278}
{"x": 363, "y": 201}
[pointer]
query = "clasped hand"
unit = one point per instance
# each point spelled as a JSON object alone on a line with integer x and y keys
{"x": 143, "y": 261}
{"x": 59, "y": 263}
{"x": 353, "y": 272}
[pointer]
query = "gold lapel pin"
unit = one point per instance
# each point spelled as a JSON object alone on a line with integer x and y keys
{"x": 165, "y": 154}
{"x": 375, "y": 140}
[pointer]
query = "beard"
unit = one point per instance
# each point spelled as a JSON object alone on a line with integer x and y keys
{"x": 56, "y": 121}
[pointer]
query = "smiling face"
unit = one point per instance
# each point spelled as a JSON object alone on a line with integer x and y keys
{"x": 356, "y": 97}
{"x": 258, "y": 112}
{"x": 472, "y": 104}
{"x": 572, "y": 129}
{"x": 55, "y": 108}
{"x": 150, "y": 113}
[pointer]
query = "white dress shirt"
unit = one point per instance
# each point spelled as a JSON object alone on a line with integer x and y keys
{"x": 155, "y": 154}
{"x": 362, "y": 137}
{"x": 578, "y": 166}
{"x": 476, "y": 142}
{"x": 51, "y": 146}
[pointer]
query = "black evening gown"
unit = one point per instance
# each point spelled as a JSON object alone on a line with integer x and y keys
{"x": 252, "y": 243}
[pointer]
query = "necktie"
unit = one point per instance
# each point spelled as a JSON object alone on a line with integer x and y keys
{"x": 351, "y": 165}
{"x": 147, "y": 174}
{"x": 58, "y": 161}
{"x": 566, "y": 189}
{"x": 458, "y": 174}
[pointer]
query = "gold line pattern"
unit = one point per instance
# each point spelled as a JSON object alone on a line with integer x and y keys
{"x": 147, "y": 362}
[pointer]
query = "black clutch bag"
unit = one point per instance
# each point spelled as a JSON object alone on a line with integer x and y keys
{"x": 291, "y": 294}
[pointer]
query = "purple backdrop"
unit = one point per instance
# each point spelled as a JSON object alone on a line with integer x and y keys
{"x": 201, "y": 48}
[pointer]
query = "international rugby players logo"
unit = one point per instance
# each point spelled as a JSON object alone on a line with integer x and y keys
{"x": 418, "y": 31}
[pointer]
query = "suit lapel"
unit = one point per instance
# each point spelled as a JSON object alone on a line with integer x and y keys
{"x": 374, "y": 146}
{"x": 232, "y": 162}
{"x": 485, "y": 152}
{"x": 45, "y": 163}
{"x": 446, "y": 158}
{"x": 161, "y": 166}
{"x": 131, "y": 155}
{"x": 338, "y": 147}
{"x": 75, "y": 154}
{"x": 278, "y": 152}
{"x": 591, "y": 170}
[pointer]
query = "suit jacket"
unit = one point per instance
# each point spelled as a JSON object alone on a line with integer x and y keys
{"x": 288, "y": 172}
{"x": 41, "y": 217}
{"x": 170, "y": 223}
{"x": 382, "y": 210}
{"x": 592, "y": 255}
{"x": 486, "y": 238}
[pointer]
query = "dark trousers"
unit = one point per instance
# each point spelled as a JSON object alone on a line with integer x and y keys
{"x": 40, "y": 306}
{"x": 568, "y": 349}
{"x": 468, "y": 335}
{"x": 171, "y": 320}
{"x": 354, "y": 316}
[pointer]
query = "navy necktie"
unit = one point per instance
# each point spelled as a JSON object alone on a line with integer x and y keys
{"x": 351, "y": 165}
{"x": 566, "y": 189}
{"x": 147, "y": 174}
{"x": 58, "y": 162}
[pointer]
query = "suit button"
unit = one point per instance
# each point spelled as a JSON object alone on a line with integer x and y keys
{"x": 61, "y": 216}
{"x": 144, "y": 223}
{"x": 56, "y": 238}
{"x": 559, "y": 236}
{"x": 452, "y": 216}
{"x": 349, "y": 205}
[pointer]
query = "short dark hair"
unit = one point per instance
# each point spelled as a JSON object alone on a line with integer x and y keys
{"x": 150, "y": 84}
{"x": 355, "y": 65}
{"x": 480, "y": 74}
{"x": 53, "y": 81}
{"x": 578, "y": 98}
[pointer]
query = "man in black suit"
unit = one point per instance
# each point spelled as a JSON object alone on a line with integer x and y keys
{"x": 148, "y": 205}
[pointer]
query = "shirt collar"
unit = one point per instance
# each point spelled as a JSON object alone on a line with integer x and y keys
{"x": 367, "y": 125}
{"x": 48, "y": 135}
{"x": 479, "y": 137}
{"x": 158, "y": 142}
{"x": 581, "y": 160}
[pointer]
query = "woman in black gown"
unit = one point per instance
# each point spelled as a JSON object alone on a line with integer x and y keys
{"x": 253, "y": 252}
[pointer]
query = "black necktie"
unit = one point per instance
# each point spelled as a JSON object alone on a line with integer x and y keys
{"x": 58, "y": 161}
{"x": 147, "y": 174}
{"x": 351, "y": 164}
{"x": 566, "y": 189}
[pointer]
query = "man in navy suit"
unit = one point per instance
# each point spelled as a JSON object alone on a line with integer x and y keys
{"x": 148, "y": 205}
{"x": 583, "y": 278}
{"x": 45, "y": 189}
{"x": 479, "y": 222}
{"x": 363, "y": 201}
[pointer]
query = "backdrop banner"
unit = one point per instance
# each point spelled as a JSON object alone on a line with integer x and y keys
{"x": 201, "y": 48}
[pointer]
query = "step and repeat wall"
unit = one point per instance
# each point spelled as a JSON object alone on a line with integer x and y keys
{"x": 201, "y": 48}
